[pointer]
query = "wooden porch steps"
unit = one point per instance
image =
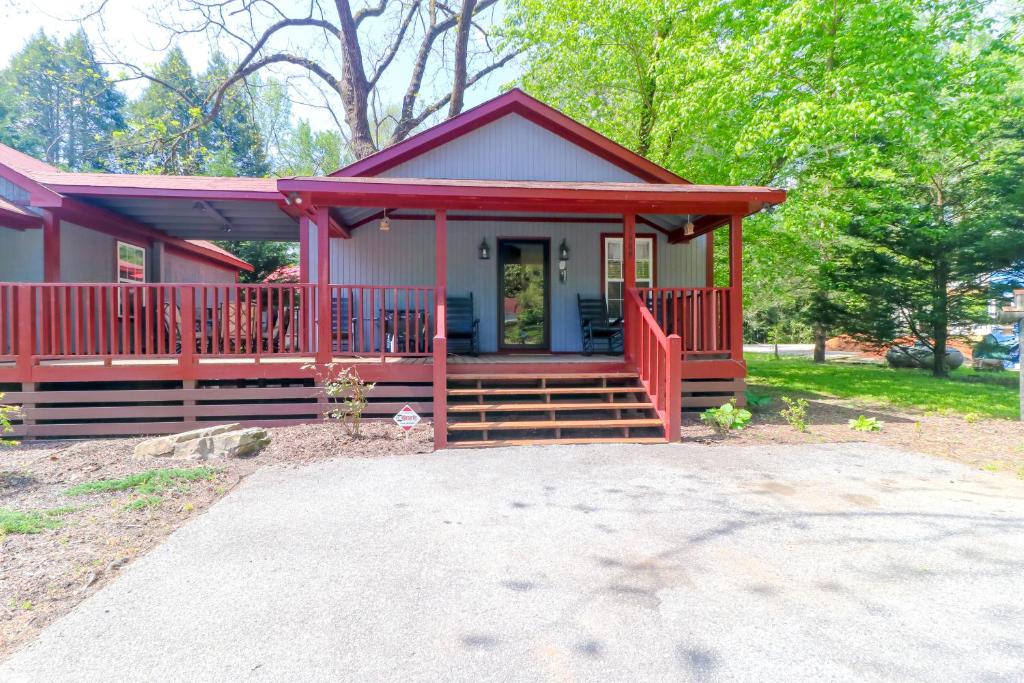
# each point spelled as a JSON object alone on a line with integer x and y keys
{"x": 534, "y": 407}
{"x": 497, "y": 443}
{"x": 516, "y": 406}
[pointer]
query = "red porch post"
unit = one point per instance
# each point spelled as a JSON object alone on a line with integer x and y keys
{"x": 736, "y": 286}
{"x": 51, "y": 247}
{"x": 628, "y": 277}
{"x": 709, "y": 259}
{"x": 440, "y": 334}
{"x": 304, "y": 273}
{"x": 323, "y": 286}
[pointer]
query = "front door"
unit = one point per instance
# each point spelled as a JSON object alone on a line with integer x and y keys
{"x": 523, "y": 294}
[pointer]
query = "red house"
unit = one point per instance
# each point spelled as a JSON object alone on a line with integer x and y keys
{"x": 409, "y": 259}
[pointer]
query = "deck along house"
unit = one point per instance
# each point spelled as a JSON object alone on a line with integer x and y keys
{"x": 451, "y": 269}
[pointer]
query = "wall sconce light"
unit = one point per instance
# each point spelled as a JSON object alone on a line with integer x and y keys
{"x": 563, "y": 261}
{"x": 688, "y": 228}
{"x": 385, "y": 222}
{"x": 485, "y": 250}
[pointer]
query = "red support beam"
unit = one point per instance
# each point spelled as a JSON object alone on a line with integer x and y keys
{"x": 323, "y": 285}
{"x": 736, "y": 285}
{"x": 628, "y": 272}
{"x": 440, "y": 335}
{"x": 304, "y": 271}
{"x": 51, "y": 247}
{"x": 709, "y": 259}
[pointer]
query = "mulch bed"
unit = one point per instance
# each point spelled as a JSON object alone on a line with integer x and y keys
{"x": 995, "y": 445}
{"x": 44, "y": 575}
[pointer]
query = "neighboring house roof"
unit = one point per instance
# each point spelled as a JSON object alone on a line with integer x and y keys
{"x": 515, "y": 101}
{"x": 43, "y": 176}
{"x": 14, "y": 216}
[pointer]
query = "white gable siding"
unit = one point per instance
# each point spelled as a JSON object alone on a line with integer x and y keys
{"x": 511, "y": 148}
{"x": 405, "y": 256}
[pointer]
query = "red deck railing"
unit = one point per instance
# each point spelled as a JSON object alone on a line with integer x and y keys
{"x": 382, "y": 320}
{"x": 658, "y": 359}
{"x": 701, "y": 316}
{"x": 51, "y": 322}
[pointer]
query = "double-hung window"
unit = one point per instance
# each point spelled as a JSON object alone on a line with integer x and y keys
{"x": 614, "y": 288}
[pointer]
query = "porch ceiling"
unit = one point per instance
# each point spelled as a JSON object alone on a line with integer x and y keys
{"x": 207, "y": 219}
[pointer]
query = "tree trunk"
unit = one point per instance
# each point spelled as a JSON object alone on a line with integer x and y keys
{"x": 820, "y": 337}
{"x": 461, "y": 56}
{"x": 940, "y": 321}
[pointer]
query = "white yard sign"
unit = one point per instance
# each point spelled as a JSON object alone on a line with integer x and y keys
{"x": 407, "y": 418}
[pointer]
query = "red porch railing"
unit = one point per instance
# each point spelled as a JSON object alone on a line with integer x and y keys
{"x": 701, "y": 316}
{"x": 49, "y": 322}
{"x": 658, "y": 359}
{"x": 382, "y": 320}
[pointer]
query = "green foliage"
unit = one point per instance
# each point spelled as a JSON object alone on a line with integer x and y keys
{"x": 853, "y": 106}
{"x": 795, "y": 413}
{"x": 266, "y": 257}
{"x": 59, "y": 104}
{"x": 346, "y": 392}
{"x": 866, "y": 424}
{"x": 148, "y": 483}
{"x": 6, "y": 412}
{"x": 758, "y": 403}
{"x": 726, "y": 417}
{"x": 15, "y": 522}
{"x": 966, "y": 391}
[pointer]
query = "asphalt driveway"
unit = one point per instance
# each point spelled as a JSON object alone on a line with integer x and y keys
{"x": 842, "y": 562}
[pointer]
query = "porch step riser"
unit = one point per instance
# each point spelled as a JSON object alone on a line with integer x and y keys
{"x": 500, "y": 409}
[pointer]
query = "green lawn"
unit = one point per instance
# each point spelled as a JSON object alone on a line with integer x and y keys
{"x": 982, "y": 393}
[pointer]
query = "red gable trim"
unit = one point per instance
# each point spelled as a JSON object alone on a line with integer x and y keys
{"x": 514, "y": 101}
{"x": 14, "y": 216}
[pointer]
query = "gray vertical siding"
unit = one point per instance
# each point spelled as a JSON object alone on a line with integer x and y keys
{"x": 87, "y": 255}
{"x": 511, "y": 148}
{"x": 180, "y": 268}
{"x": 405, "y": 256}
{"x": 21, "y": 258}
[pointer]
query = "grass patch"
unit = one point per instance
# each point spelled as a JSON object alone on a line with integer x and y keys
{"x": 149, "y": 486}
{"x": 966, "y": 392}
{"x": 14, "y": 522}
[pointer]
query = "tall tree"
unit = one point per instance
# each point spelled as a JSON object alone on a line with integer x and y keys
{"x": 233, "y": 136}
{"x": 169, "y": 104}
{"x": 796, "y": 93}
{"x": 334, "y": 46}
{"x": 59, "y": 103}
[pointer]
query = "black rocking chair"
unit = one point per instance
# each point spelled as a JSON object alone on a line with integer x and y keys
{"x": 596, "y": 328}
{"x": 462, "y": 327}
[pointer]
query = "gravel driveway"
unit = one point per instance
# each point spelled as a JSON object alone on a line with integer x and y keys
{"x": 609, "y": 563}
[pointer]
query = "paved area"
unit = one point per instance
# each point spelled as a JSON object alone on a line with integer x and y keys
{"x": 674, "y": 563}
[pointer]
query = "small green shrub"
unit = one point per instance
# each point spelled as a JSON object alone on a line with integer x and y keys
{"x": 758, "y": 404}
{"x": 866, "y": 424}
{"x": 6, "y": 412}
{"x": 345, "y": 391}
{"x": 795, "y": 413}
{"x": 726, "y": 417}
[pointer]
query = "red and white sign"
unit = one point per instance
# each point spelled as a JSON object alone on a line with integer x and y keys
{"x": 407, "y": 418}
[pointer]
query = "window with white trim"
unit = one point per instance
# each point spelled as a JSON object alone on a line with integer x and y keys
{"x": 613, "y": 273}
{"x": 131, "y": 263}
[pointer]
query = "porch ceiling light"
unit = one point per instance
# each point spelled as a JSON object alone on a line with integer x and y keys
{"x": 385, "y": 222}
{"x": 688, "y": 228}
{"x": 484, "y": 250}
{"x": 293, "y": 198}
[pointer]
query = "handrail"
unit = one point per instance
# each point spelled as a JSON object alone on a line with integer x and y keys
{"x": 700, "y": 315}
{"x": 440, "y": 370}
{"x": 658, "y": 359}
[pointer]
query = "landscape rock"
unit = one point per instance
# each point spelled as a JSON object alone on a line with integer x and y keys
{"x": 240, "y": 443}
{"x": 165, "y": 446}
